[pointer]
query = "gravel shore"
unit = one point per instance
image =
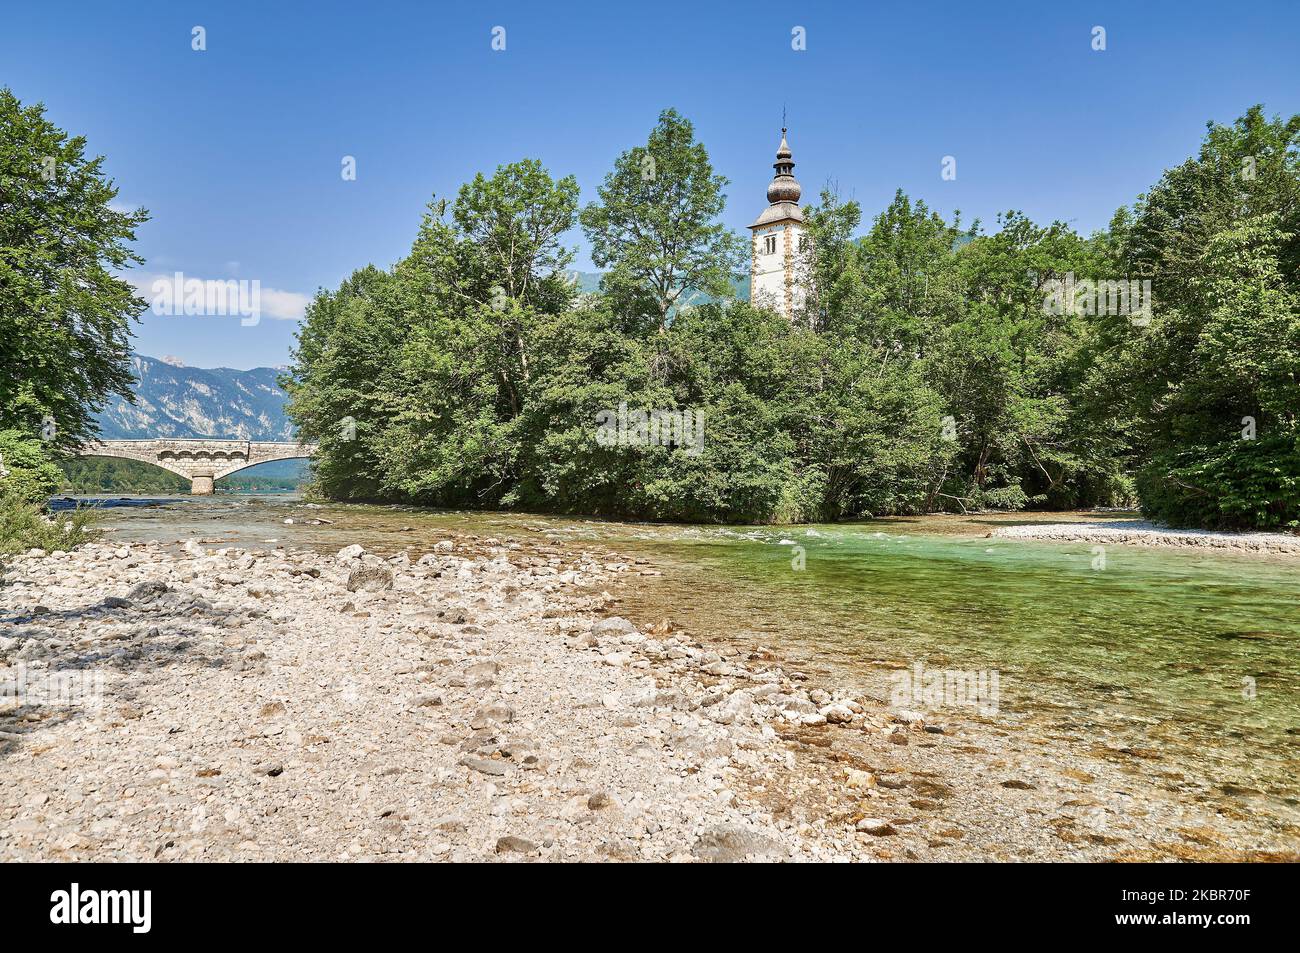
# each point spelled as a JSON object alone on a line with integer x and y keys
{"x": 482, "y": 702}
{"x": 1142, "y": 533}
{"x": 300, "y": 707}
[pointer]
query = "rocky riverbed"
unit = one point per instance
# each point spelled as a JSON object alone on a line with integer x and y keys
{"x": 485, "y": 701}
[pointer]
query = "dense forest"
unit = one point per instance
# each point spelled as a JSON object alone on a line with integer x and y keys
{"x": 936, "y": 366}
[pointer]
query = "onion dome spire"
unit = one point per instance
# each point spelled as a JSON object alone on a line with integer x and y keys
{"x": 785, "y": 187}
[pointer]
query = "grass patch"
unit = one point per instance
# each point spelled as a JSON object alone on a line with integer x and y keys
{"x": 23, "y": 526}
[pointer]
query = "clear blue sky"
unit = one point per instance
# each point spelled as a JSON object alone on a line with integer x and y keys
{"x": 236, "y": 151}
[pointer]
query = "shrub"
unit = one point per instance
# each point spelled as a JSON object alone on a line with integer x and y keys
{"x": 24, "y": 527}
{"x": 1240, "y": 484}
{"x": 26, "y": 471}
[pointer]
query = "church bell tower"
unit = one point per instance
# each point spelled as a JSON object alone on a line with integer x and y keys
{"x": 778, "y": 239}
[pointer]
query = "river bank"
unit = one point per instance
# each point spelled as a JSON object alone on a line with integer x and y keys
{"x": 278, "y": 706}
{"x": 1132, "y": 532}
{"x": 486, "y": 700}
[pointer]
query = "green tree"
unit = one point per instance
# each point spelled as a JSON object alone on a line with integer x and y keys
{"x": 655, "y": 226}
{"x": 828, "y": 263}
{"x": 26, "y": 472}
{"x": 64, "y": 314}
{"x": 477, "y": 284}
{"x": 938, "y": 309}
{"x": 413, "y": 381}
{"x": 342, "y": 379}
{"x": 1010, "y": 368}
{"x": 1219, "y": 238}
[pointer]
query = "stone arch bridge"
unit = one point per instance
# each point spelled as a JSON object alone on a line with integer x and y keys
{"x": 202, "y": 462}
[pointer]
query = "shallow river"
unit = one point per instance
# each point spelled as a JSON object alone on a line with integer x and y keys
{"x": 1182, "y": 664}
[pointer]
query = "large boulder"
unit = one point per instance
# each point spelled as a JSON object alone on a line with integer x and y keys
{"x": 615, "y": 625}
{"x": 375, "y": 577}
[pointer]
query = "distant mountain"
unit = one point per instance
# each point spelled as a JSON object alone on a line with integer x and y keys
{"x": 172, "y": 400}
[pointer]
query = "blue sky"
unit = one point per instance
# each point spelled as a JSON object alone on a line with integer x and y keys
{"x": 237, "y": 150}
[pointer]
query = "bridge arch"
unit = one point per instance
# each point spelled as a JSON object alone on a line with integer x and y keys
{"x": 153, "y": 463}
{"x": 232, "y": 470}
{"x": 201, "y": 461}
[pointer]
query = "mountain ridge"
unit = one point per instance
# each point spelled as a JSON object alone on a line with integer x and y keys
{"x": 173, "y": 400}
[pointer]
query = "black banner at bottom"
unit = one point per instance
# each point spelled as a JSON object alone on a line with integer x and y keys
{"x": 140, "y": 903}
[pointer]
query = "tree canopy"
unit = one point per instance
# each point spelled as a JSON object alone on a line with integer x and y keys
{"x": 935, "y": 366}
{"x": 656, "y": 225}
{"x": 65, "y": 314}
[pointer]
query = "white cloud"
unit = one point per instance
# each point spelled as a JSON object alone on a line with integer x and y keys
{"x": 284, "y": 305}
